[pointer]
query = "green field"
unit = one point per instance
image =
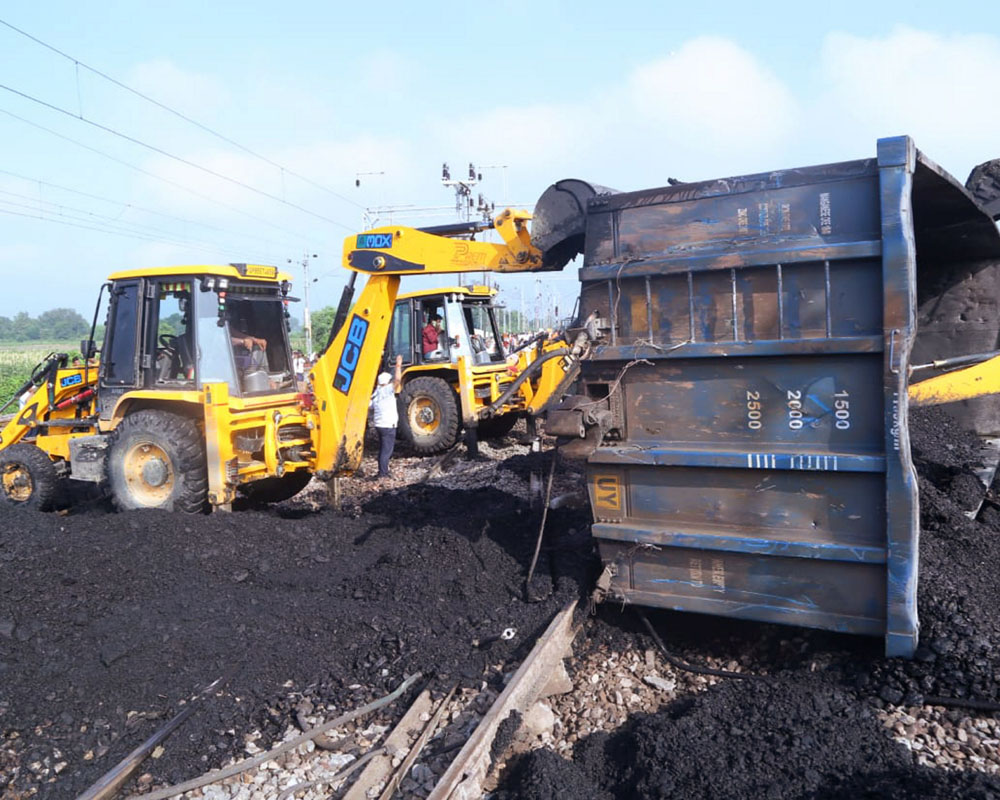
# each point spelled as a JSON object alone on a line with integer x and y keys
{"x": 18, "y": 359}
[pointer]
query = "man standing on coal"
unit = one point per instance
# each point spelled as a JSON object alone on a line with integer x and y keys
{"x": 386, "y": 414}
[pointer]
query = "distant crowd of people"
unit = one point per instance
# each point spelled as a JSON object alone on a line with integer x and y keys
{"x": 515, "y": 341}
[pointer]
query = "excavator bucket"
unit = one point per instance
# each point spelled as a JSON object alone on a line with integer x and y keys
{"x": 984, "y": 185}
{"x": 559, "y": 220}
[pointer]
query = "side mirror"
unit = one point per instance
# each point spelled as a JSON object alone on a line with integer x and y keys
{"x": 88, "y": 349}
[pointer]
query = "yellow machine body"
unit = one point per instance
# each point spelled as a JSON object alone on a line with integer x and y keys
{"x": 253, "y": 424}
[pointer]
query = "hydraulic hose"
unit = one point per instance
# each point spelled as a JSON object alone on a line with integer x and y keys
{"x": 42, "y": 371}
{"x": 681, "y": 665}
{"x": 533, "y": 368}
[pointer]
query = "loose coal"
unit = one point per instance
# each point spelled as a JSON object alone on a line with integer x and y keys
{"x": 108, "y": 621}
{"x": 796, "y": 733}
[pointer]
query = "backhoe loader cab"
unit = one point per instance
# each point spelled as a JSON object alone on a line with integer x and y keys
{"x": 450, "y": 342}
{"x": 468, "y": 327}
{"x": 172, "y": 331}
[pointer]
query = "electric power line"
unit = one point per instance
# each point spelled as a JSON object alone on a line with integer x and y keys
{"x": 178, "y": 114}
{"x": 98, "y": 229}
{"x": 143, "y": 209}
{"x": 154, "y": 175}
{"x": 113, "y": 224}
{"x": 162, "y": 152}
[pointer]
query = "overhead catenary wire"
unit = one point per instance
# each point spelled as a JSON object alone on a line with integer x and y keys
{"x": 92, "y": 228}
{"x": 176, "y": 113}
{"x": 143, "y": 209}
{"x": 249, "y": 763}
{"x": 160, "y": 151}
{"x": 146, "y": 172}
{"x": 115, "y": 224}
{"x": 541, "y": 528}
{"x": 683, "y": 665}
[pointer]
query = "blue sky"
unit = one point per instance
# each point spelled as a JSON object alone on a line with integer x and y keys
{"x": 625, "y": 94}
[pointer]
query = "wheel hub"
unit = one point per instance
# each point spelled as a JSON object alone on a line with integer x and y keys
{"x": 155, "y": 472}
{"x": 149, "y": 474}
{"x": 424, "y": 415}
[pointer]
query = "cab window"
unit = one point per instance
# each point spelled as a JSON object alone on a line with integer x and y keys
{"x": 434, "y": 342}
{"x": 257, "y": 335}
{"x": 119, "y": 357}
{"x": 482, "y": 336}
{"x": 401, "y": 333}
{"x": 174, "y": 334}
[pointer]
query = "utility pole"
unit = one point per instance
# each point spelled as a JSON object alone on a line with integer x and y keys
{"x": 463, "y": 190}
{"x": 306, "y": 318}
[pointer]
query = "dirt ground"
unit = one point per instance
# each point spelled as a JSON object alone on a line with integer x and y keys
{"x": 108, "y": 622}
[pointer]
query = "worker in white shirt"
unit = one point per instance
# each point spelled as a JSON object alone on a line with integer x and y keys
{"x": 387, "y": 414}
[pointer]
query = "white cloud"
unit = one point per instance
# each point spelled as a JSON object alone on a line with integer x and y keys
{"x": 939, "y": 89}
{"x": 714, "y": 94}
{"x": 706, "y": 110}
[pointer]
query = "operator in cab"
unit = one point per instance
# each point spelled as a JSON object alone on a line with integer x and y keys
{"x": 432, "y": 334}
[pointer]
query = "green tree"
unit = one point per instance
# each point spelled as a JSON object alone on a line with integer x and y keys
{"x": 170, "y": 324}
{"x": 62, "y": 323}
{"x": 322, "y": 321}
{"x": 24, "y": 328}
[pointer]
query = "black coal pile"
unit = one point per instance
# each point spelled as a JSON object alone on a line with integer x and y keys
{"x": 108, "y": 621}
{"x": 958, "y": 601}
{"x": 786, "y": 736}
{"x": 795, "y": 733}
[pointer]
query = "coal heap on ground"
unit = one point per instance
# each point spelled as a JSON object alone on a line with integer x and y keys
{"x": 799, "y": 734}
{"x": 109, "y": 621}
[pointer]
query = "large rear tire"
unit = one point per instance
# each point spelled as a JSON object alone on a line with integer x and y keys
{"x": 274, "y": 490}
{"x": 428, "y": 415}
{"x": 157, "y": 460}
{"x": 28, "y": 478}
{"x": 497, "y": 427}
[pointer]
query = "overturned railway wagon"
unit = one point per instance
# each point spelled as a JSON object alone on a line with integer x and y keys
{"x": 745, "y": 419}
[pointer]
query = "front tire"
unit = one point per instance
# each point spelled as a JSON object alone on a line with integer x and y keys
{"x": 27, "y": 478}
{"x": 428, "y": 415}
{"x": 157, "y": 460}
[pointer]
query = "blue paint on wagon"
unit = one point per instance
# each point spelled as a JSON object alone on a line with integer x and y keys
{"x": 756, "y": 429}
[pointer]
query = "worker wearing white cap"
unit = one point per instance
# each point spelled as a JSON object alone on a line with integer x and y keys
{"x": 387, "y": 414}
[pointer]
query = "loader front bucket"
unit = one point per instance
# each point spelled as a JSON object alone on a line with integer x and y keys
{"x": 559, "y": 220}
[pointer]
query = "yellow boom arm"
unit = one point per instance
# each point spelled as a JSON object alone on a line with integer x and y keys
{"x": 960, "y": 384}
{"x": 400, "y": 250}
{"x": 344, "y": 375}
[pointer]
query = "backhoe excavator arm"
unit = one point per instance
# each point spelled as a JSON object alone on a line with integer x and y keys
{"x": 344, "y": 375}
{"x": 396, "y": 249}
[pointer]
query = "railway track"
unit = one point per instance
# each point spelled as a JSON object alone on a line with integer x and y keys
{"x": 387, "y": 763}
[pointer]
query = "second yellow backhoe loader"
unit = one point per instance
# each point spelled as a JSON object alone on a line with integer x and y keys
{"x": 457, "y": 372}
